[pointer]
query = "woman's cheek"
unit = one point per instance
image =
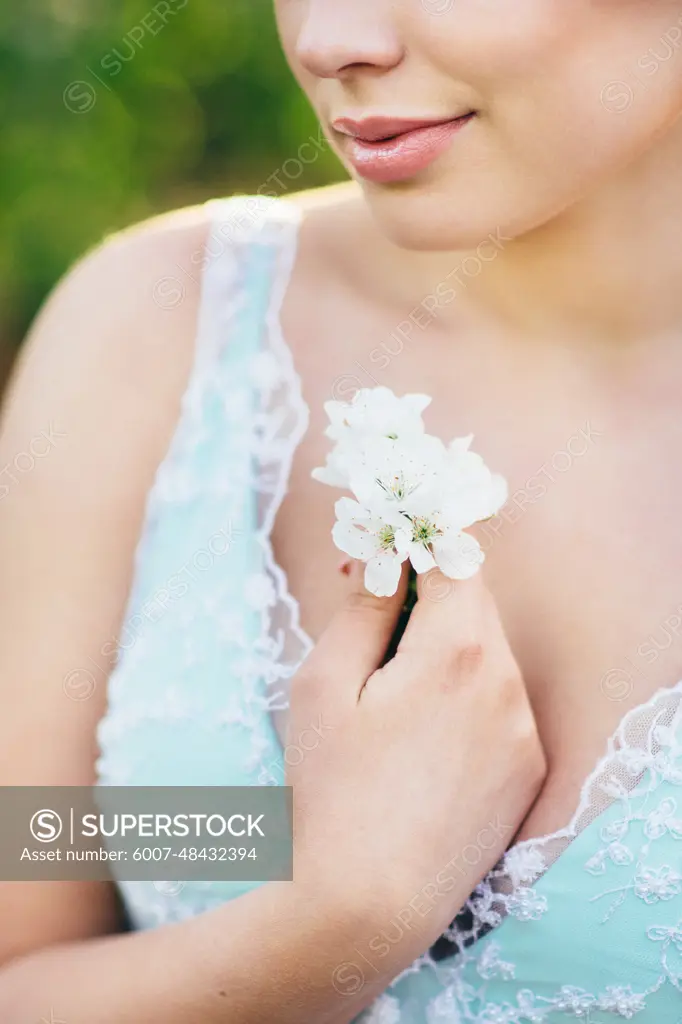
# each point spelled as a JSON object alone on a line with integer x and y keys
{"x": 488, "y": 44}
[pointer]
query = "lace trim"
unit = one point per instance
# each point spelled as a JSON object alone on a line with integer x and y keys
{"x": 243, "y": 371}
{"x": 619, "y": 751}
{"x": 644, "y": 741}
{"x": 280, "y": 420}
{"x": 277, "y": 461}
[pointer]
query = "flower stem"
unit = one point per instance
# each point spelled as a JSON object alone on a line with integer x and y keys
{"x": 404, "y": 618}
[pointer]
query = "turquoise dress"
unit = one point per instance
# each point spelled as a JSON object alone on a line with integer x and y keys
{"x": 585, "y": 924}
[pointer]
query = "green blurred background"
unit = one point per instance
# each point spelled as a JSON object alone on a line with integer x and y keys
{"x": 113, "y": 110}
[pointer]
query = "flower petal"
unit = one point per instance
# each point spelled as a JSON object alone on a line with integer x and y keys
{"x": 336, "y": 411}
{"x": 349, "y": 509}
{"x": 416, "y": 402}
{"x": 459, "y": 556}
{"x": 403, "y": 538}
{"x": 329, "y": 475}
{"x": 497, "y": 494}
{"x": 354, "y": 542}
{"x": 421, "y": 558}
{"x": 472, "y": 493}
{"x": 382, "y": 575}
{"x": 460, "y": 444}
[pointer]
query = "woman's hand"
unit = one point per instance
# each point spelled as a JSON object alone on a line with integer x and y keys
{"x": 416, "y": 775}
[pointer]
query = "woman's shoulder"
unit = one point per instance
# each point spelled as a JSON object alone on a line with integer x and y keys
{"x": 138, "y": 283}
{"x": 133, "y": 258}
{"x": 108, "y": 353}
{"x": 116, "y": 337}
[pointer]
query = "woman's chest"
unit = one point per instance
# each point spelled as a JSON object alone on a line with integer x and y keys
{"x": 585, "y": 561}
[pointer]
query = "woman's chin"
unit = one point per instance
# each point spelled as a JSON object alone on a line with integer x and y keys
{"x": 468, "y": 213}
{"x": 419, "y": 220}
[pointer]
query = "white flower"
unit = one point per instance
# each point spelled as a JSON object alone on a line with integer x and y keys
{"x": 473, "y": 492}
{"x": 387, "y": 474}
{"x": 377, "y": 412}
{"x": 415, "y": 496}
{"x": 438, "y": 493}
{"x": 434, "y": 542}
{"x": 373, "y": 413}
{"x": 372, "y": 540}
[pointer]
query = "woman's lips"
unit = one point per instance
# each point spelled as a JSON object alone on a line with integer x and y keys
{"x": 411, "y": 147}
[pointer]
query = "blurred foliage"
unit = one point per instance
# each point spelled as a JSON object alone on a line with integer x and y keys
{"x": 112, "y": 110}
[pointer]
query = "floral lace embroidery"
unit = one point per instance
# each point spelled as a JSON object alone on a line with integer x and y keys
{"x": 628, "y": 805}
{"x": 264, "y": 417}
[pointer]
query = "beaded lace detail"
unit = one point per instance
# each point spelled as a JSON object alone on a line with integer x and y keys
{"x": 212, "y": 636}
{"x": 253, "y": 391}
{"x": 625, "y": 840}
{"x": 633, "y": 800}
{"x": 643, "y": 752}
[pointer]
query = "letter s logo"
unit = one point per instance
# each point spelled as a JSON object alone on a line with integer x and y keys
{"x": 46, "y": 826}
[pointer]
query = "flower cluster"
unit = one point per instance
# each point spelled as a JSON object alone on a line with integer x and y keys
{"x": 414, "y": 496}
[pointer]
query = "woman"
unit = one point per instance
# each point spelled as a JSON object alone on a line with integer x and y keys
{"x": 510, "y": 246}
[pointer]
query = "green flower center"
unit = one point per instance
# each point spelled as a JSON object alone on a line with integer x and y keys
{"x": 424, "y": 531}
{"x": 387, "y": 538}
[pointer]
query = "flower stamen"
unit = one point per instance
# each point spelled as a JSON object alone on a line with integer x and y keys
{"x": 424, "y": 531}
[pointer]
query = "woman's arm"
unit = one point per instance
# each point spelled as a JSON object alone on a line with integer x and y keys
{"x": 87, "y": 418}
{"x": 271, "y": 955}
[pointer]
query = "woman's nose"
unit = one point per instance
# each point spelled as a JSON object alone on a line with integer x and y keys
{"x": 338, "y": 38}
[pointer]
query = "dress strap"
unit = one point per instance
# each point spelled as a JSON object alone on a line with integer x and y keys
{"x": 219, "y": 487}
{"x": 246, "y": 234}
{"x": 245, "y": 265}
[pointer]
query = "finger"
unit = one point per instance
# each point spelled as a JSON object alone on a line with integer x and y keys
{"x": 449, "y": 616}
{"x": 352, "y": 647}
